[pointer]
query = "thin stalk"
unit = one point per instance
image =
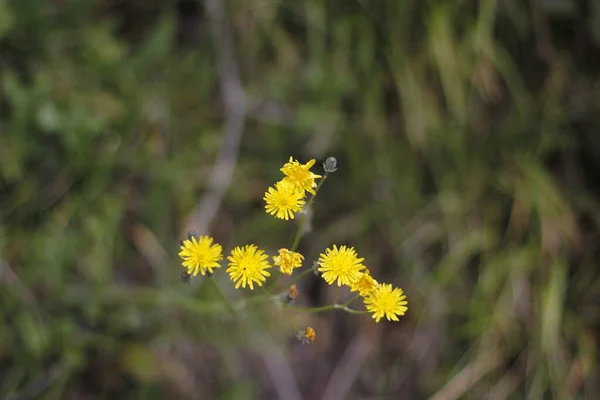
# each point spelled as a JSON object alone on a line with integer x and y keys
{"x": 303, "y": 220}
{"x": 352, "y": 311}
{"x": 301, "y": 275}
{"x": 326, "y": 308}
{"x": 337, "y": 294}
{"x": 264, "y": 289}
{"x": 225, "y": 299}
{"x": 351, "y": 300}
{"x": 300, "y": 230}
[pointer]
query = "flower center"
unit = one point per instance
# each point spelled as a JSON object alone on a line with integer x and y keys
{"x": 343, "y": 263}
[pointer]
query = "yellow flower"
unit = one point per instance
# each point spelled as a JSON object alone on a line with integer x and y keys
{"x": 365, "y": 284}
{"x": 247, "y": 265}
{"x": 341, "y": 264}
{"x": 200, "y": 255}
{"x": 386, "y": 301}
{"x": 288, "y": 260}
{"x": 300, "y": 176}
{"x": 284, "y": 200}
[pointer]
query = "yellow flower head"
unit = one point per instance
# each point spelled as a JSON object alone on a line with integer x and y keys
{"x": 386, "y": 301}
{"x": 288, "y": 260}
{"x": 300, "y": 176}
{"x": 340, "y": 264}
{"x": 284, "y": 200}
{"x": 200, "y": 255}
{"x": 365, "y": 284}
{"x": 247, "y": 265}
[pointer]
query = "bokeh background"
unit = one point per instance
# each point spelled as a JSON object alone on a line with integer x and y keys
{"x": 466, "y": 134}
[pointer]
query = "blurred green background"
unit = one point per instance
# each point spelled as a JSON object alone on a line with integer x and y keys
{"x": 469, "y": 175}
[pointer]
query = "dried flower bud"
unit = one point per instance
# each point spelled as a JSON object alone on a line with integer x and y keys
{"x": 185, "y": 277}
{"x": 315, "y": 268}
{"x": 330, "y": 165}
{"x": 307, "y": 335}
{"x": 193, "y": 234}
{"x": 290, "y": 295}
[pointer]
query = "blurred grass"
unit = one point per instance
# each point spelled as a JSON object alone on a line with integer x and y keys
{"x": 466, "y": 134}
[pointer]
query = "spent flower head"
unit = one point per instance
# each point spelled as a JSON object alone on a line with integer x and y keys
{"x": 288, "y": 260}
{"x": 307, "y": 335}
{"x": 248, "y": 265}
{"x": 386, "y": 301}
{"x": 200, "y": 255}
{"x": 300, "y": 176}
{"x": 341, "y": 265}
{"x": 284, "y": 200}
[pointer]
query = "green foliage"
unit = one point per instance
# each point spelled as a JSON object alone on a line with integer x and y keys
{"x": 468, "y": 170}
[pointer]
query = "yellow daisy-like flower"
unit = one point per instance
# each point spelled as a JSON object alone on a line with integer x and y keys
{"x": 288, "y": 260}
{"x": 386, "y": 301}
{"x": 200, "y": 255}
{"x": 340, "y": 264}
{"x": 365, "y": 284}
{"x": 300, "y": 176}
{"x": 248, "y": 265}
{"x": 284, "y": 200}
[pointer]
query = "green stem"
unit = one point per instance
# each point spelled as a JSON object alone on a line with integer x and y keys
{"x": 351, "y": 300}
{"x": 225, "y": 299}
{"x": 253, "y": 300}
{"x": 301, "y": 275}
{"x": 337, "y": 294}
{"x": 312, "y": 309}
{"x": 326, "y": 308}
{"x": 264, "y": 289}
{"x": 353, "y": 311}
{"x": 300, "y": 230}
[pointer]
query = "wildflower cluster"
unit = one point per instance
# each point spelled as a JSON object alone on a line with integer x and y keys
{"x": 248, "y": 266}
{"x": 287, "y": 197}
{"x": 342, "y": 266}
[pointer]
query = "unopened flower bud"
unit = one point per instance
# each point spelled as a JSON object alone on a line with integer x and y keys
{"x": 193, "y": 234}
{"x": 330, "y": 165}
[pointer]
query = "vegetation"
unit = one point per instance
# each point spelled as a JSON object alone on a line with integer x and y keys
{"x": 468, "y": 174}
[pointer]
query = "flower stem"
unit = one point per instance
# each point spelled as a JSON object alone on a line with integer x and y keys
{"x": 300, "y": 229}
{"x": 301, "y": 275}
{"x": 353, "y": 311}
{"x": 326, "y": 308}
{"x": 265, "y": 291}
{"x": 351, "y": 300}
{"x": 225, "y": 299}
{"x": 337, "y": 294}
